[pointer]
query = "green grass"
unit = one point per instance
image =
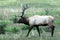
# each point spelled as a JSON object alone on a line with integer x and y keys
{"x": 21, "y": 35}
{"x": 17, "y": 3}
{"x": 35, "y": 9}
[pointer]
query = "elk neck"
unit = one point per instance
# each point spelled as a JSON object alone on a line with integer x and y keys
{"x": 24, "y": 20}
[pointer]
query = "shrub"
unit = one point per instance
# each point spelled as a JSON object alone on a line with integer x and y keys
{"x": 3, "y": 24}
{"x": 12, "y": 29}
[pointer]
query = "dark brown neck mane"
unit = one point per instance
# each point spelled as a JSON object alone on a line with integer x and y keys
{"x": 23, "y": 20}
{"x": 26, "y": 21}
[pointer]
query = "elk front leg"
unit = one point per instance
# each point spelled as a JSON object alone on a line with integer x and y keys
{"x": 29, "y": 31}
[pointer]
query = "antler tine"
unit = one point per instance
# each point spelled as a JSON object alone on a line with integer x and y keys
{"x": 24, "y": 8}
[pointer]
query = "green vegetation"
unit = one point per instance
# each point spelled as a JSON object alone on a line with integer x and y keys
{"x": 17, "y": 3}
{"x": 14, "y": 31}
{"x": 3, "y": 24}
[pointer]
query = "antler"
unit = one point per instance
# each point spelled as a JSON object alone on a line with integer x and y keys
{"x": 24, "y": 8}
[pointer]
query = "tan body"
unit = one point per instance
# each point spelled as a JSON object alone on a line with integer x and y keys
{"x": 38, "y": 20}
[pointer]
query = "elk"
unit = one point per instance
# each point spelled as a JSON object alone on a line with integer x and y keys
{"x": 36, "y": 21}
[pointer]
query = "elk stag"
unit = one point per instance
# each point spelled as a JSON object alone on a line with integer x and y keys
{"x": 36, "y": 21}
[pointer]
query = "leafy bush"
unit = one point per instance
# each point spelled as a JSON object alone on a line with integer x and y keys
{"x": 15, "y": 29}
{"x": 12, "y": 29}
{"x": 3, "y": 24}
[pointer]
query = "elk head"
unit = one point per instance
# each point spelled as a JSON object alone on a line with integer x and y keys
{"x": 23, "y": 19}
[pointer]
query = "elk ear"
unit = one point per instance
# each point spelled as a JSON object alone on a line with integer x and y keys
{"x": 21, "y": 16}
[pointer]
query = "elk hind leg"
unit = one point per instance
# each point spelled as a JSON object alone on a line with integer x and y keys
{"x": 52, "y": 30}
